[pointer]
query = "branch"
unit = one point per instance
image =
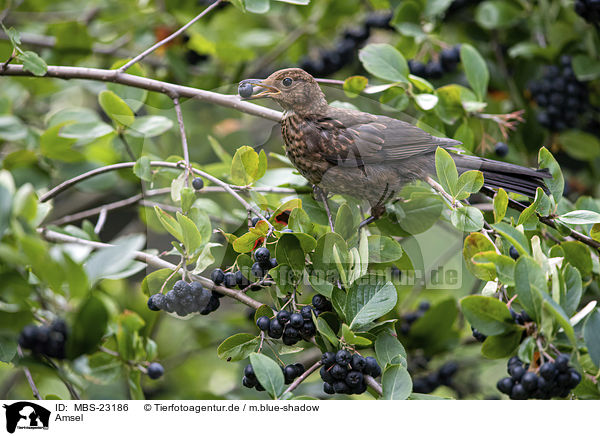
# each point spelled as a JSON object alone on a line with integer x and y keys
{"x": 68, "y": 183}
{"x": 170, "y": 89}
{"x": 374, "y": 385}
{"x": 168, "y": 38}
{"x": 153, "y": 261}
{"x": 303, "y": 377}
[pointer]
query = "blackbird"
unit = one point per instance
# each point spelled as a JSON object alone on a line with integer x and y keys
{"x": 367, "y": 156}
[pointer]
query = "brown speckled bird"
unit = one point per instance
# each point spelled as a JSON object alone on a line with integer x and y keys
{"x": 367, "y": 156}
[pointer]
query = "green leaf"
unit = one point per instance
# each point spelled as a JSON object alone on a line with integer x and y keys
{"x": 469, "y": 182}
{"x": 86, "y": 131}
{"x": 142, "y": 169}
{"x": 263, "y": 310}
{"x": 385, "y": 62}
{"x": 325, "y": 331}
{"x": 289, "y": 252}
{"x": 191, "y": 236}
{"x": 467, "y": 219}
{"x": 487, "y": 314}
{"x": 366, "y": 302}
{"x": 586, "y": 67}
{"x": 389, "y": 350}
{"x": 237, "y": 347}
{"x": 116, "y": 108}
{"x": 500, "y": 205}
{"x": 580, "y": 145}
{"x": 446, "y": 170}
{"x": 530, "y": 211}
{"x": 396, "y": 383}
{"x": 580, "y": 217}
{"x": 530, "y": 286}
{"x": 514, "y": 237}
{"x": 578, "y": 255}
{"x": 268, "y": 373}
{"x": 496, "y": 14}
{"x": 12, "y": 128}
{"x": 595, "y": 232}
{"x": 551, "y": 307}
{"x": 8, "y": 348}
{"x": 245, "y": 167}
{"x": 478, "y": 243}
{"x": 556, "y": 184}
{"x": 383, "y": 249}
{"x": 257, "y": 6}
{"x": 591, "y": 335}
{"x": 426, "y": 101}
{"x": 351, "y": 338}
{"x": 149, "y": 126}
{"x": 571, "y": 298}
{"x": 354, "y": 85}
{"x": 497, "y": 347}
{"x": 88, "y": 328}
{"x": 344, "y": 222}
{"x": 415, "y": 215}
{"x": 56, "y": 147}
{"x": 33, "y": 63}
{"x": 154, "y": 281}
{"x": 111, "y": 260}
{"x": 504, "y": 265}
{"x": 188, "y": 197}
{"x": 135, "y": 386}
{"x": 476, "y": 70}
{"x": 169, "y": 223}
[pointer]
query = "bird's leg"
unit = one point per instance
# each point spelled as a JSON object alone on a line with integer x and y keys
{"x": 378, "y": 209}
{"x": 321, "y": 195}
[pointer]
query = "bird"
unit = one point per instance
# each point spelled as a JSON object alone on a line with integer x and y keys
{"x": 368, "y": 156}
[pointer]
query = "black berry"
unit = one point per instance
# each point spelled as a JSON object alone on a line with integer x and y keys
{"x": 155, "y": 370}
{"x": 217, "y": 276}
{"x": 263, "y": 323}
{"x": 296, "y": 320}
{"x": 198, "y": 183}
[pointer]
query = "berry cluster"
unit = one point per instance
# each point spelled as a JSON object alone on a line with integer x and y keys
{"x": 441, "y": 377}
{"x": 155, "y": 370}
{"x": 185, "y": 298}
{"x": 435, "y": 69}
{"x": 560, "y": 95}
{"x": 263, "y": 263}
{"x": 292, "y": 327}
{"x": 331, "y": 61}
{"x": 344, "y": 373}
{"x": 555, "y": 379}
{"x": 589, "y": 10}
{"x": 409, "y": 318}
{"x": 290, "y": 373}
{"x": 47, "y": 340}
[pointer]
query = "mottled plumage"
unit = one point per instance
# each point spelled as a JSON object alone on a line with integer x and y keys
{"x": 364, "y": 155}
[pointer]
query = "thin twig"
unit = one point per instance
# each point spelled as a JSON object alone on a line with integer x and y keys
{"x": 303, "y": 377}
{"x": 174, "y": 35}
{"x": 153, "y": 261}
{"x": 100, "y": 222}
{"x": 184, "y": 144}
{"x": 34, "y": 389}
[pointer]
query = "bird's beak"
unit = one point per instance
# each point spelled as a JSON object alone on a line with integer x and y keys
{"x": 256, "y": 85}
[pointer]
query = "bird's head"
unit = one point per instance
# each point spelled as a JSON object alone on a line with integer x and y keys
{"x": 293, "y": 88}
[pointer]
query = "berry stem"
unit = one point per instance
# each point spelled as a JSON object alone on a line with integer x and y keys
{"x": 29, "y": 377}
{"x": 303, "y": 377}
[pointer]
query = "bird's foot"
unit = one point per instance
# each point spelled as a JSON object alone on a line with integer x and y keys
{"x": 377, "y": 212}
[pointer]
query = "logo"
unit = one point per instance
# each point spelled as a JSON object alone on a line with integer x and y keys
{"x": 26, "y": 415}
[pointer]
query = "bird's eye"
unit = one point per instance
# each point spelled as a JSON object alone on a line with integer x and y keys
{"x": 287, "y": 82}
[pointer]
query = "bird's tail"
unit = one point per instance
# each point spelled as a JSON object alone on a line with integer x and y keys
{"x": 511, "y": 177}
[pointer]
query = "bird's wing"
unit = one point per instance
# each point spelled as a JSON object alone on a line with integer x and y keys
{"x": 359, "y": 138}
